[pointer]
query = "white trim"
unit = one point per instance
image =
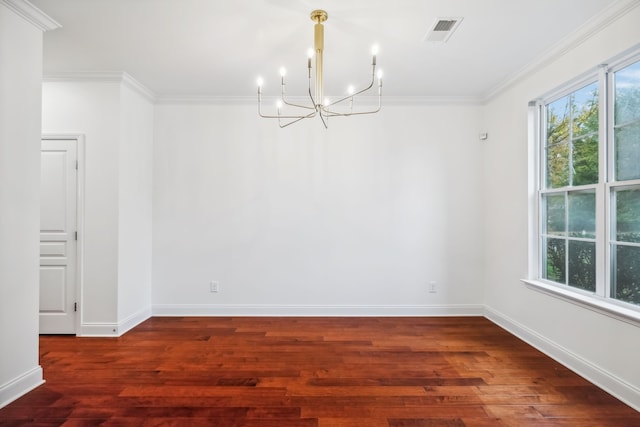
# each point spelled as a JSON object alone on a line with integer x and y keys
{"x": 314, "y": 310}
{"x": 85, "y": 76}
{"x": 206, "y": 100}
{"x": 617, "y": 387}
{"x": 20, "y": 386}
{"x": 120, "y": 77}
{"x": 604, "y": 18}
{"x": 139, "y": 88}
{"x": 134, "y": 320}
{"x": 252, "y": 100}
{"x": 32, "y": 14}
{"x": 591, "y": 302}
{"x": 98, "y": 329}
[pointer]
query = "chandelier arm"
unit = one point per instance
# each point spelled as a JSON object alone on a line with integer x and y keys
{"x": 314, "y": 108}
{"x": 373, "y": 80}
{"x": 280, "y": 116}
{"x": 291, "y": 104}
{"x": 322, "y": 118}
{"x": 313, "y": 101}
{"x": 329, "y": 113}
{"x": 296, "y": 119}
{"x": 285, "y": 102}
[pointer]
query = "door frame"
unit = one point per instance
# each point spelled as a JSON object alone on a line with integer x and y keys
{"x": 80, "y": 177}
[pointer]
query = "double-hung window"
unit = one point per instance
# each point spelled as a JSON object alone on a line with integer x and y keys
{"x": 588, "y": 185}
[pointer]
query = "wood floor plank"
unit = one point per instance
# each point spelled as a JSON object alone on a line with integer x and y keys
{"x": 310, "y": 372}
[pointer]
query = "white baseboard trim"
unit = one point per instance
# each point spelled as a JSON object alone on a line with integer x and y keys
{"x": 615, "y": 386}
{"x": 134, "y": 320}
{"x": 98, "y": 330}
{"x": 315, "y": 310}
{"x": 20, "y": 386}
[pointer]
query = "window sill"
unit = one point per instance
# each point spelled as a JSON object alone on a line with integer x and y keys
{"x": 590, "y": 302}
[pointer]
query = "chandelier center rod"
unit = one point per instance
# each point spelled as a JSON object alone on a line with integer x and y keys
{"x": 319, "y": 16}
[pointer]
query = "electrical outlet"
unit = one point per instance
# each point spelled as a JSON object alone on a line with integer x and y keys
{"x": 214, "y": 287}
{"x": 432, "y": 287}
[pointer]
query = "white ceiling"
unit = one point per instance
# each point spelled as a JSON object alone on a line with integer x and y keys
{"x": 217, "y": 48}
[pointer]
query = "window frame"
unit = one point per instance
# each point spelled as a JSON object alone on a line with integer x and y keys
{"x": 600, "y": 300}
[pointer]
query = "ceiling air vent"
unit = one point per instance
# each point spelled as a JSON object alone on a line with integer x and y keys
{"x": 442, "y": 29}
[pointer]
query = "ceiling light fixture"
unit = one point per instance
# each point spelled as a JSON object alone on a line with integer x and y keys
{"x": 289, "y": 113}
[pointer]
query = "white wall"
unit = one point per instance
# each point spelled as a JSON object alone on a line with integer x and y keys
{"x": 604, "y": 349}
{"x": 118, "y": 126}
{"x": 20, "y": 94}
{"x": 92, "y": 109}
{"x": 356, "y": 219}
{"x": 134, "y": 213}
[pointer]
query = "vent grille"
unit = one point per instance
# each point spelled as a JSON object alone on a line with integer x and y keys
{"x": 444, "y": 25}
{"x": 442, "y": 30}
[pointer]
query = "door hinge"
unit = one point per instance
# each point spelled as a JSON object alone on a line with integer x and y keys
{"x": 76, "y": 165}
{"x": 75, "y": 306}
{"x": 76, "y": 235}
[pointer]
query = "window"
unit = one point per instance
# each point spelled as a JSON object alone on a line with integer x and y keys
{"x": 588, "y": 192}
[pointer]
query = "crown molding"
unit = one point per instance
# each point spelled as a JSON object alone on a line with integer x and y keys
{"x": 138, "y": 87}
{"x": 596, "y": 24}
{"x": 204, "y": 100}
{"x": 118, "y": 77}
{"x": 132, "y": 83}
{"x": 32, "y": 14}
{"x": 365, "y": 101}
{"x": 85, "y": 76}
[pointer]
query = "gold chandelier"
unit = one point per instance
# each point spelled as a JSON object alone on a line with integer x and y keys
{"x": 319, "y": 106}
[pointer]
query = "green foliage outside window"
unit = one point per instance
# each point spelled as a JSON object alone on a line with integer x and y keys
{"x": 625, "y": 254}
{"x": 572, "y": 161}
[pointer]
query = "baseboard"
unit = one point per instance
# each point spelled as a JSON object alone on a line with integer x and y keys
{"x": 134, "y": 320}
{"x": 315, "y": 310}
{"x": 615, "y": 386}
{"x": 90, "y": 329}
{"x": 20, "y": 386}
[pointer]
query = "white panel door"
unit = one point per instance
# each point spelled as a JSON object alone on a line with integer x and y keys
{"x": 58, "y": 245}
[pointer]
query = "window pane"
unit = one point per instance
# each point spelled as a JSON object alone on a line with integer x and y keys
{"x": 626, "y": 274}
{"x": 557, "y": 144}
{"x": 582, "y": 265}
{"x": 558, "y": 121}
{"x": 627, "y": 226}
{"x": 555, "y": 260}
{"x": 584, "y": 105}
{"x": 582, "y": 214}
{"x": 555, "y": 223}
{"x": 585, "y": 160}
{"x": 627, "y": 92}
{"x": 627, "y": 140}
{"x": 558, "y": 165}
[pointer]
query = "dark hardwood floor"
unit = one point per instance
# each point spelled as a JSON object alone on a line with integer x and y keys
{"x": 282, "y": 372}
